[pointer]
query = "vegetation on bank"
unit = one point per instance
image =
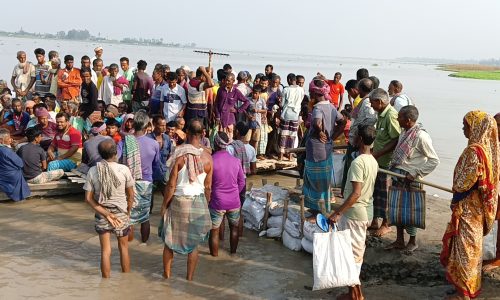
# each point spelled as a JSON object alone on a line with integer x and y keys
{"x": 472, "y": 71}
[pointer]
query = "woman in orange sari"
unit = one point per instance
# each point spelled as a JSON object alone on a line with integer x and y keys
{"x": 474, "y": 205}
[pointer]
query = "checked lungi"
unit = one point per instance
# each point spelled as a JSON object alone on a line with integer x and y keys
{"x": 288, "y": 134}
{"x": 318, "y": 178}
{"x": 380, "y": 193}
{"x": 143, "y": 193}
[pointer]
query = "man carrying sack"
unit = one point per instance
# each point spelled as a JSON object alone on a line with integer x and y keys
{"x": 414, "y": 157}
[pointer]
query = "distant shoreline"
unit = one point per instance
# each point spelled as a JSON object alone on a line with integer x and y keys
{"x": 471, "y": 71}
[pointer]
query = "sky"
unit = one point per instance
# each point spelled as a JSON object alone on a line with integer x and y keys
{"x": 389, "y": 29}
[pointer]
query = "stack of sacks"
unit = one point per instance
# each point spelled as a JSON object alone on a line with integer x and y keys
{"x": 275, "y": 221}
{"x": 309, "y": 230}
{"x": 292, "y": 235}
{"x": 253, "y": 209}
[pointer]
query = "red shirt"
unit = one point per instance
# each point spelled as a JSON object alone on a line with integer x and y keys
{"x": 64, "y": 141}
{"x": 335, "y": 91}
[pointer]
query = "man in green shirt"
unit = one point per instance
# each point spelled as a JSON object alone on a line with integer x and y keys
{"x": 357, "y": 210}
{"x": 128, "y": 73}
{"x": 388, "y": 131}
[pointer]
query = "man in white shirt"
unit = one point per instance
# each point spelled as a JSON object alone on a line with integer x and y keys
{"x": 414, "y": 157}
{"x": 292, "y": 98}
{"x": 23, "y": 76}
{"x": 398, "y": 99}
{"x": 173, "y": 98}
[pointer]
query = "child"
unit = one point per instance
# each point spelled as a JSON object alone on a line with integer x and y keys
{"x": 35, "y": 159}
{"x": 347, "y": 116}
{"x": 112, "y": 128}
{"x": 256, "y": 117}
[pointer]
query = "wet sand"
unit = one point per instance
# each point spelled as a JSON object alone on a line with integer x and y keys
{"x": 49, "y": 249}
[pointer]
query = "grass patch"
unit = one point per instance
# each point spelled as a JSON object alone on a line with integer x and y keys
{"x": 472, "y": 71}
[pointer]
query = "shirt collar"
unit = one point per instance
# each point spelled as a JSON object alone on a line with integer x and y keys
{"x": 382, "y": 114}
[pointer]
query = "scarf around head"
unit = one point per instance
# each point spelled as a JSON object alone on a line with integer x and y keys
{"x": 323, "y": 91}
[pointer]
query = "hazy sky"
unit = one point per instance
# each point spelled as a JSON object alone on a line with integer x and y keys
{"x": 456, "y": 29}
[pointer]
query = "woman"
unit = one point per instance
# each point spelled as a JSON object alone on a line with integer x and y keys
{"x": 127, "y": 125}
{"x": 228, "y": 180}
{"x": 326, "y": 125}
{"x": 474, "y": 205}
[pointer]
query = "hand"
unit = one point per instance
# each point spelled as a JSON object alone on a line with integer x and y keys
{"x": 50, "y": 155}
{"x": 232, "y": 110}
{"x": 323, "y": 137}
{"x": 114, "y": 221}
{"x": 334, "y": 218}
{"x": 409, "y": 177}
{"x": 163, "y": 210}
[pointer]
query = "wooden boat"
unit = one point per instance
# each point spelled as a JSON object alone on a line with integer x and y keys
{"x": 73, "y": 184}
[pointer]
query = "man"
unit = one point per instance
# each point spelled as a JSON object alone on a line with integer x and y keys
{"x": 165, "y": 146}
{"x": 69, "y": 80}
{"x": 268, "y": 71}
{"x": 171, "y": 129}
{"x": 42, "y": 73}
{"x": 274, "y": 119}
{"x": 351, "y": 87}
{"x": 158, "y": 86}
{"x": 113, "y": 130}
{"x": 85, "y": 62}
{"x": 357, "y": 210}
{"x": 112, "y": 87}
{"x": 12, "y": 182}
{"x": 336, "y": 90}
{"x": 362, "y": 74}
{"x": 97, "y": 72}
{"x": 128, "y": 73}
{"x": 197, "y": 100}
{"x": 225, "y": 103}
{"x": 414, "y": 157}
{"x": 140, "y": 154}
{"x": 35, "y": 159}
{"x": 98, "y": 53}
{"x": 362, "y": 115}
{"x": 142, "y": 88}
{"x": 68, "y": 144}
{"x": 292, "y": 98}
{"x": 90, "y": 153}
{"x": 388, "y": 131}
{"x": 173, "y": 98}
{"x": 240, "y": 148}
{"x": 109, "y": 190}
{"x": 46, "y": 125}
{"x": 398, "y": 98}
{"x": 185, "y": 204}
{"x": 17, "y": 120}
{"x": 23, "y": 76}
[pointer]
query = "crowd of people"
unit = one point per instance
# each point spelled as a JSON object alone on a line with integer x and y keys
{"x": 195, "y": 139}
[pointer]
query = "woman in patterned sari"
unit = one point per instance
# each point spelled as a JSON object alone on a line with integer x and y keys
{"x": 474, "y": 205}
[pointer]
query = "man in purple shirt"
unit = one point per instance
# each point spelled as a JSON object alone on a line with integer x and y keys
{"x": 144, "y": 152}
{"x": 225, "y": 104}
{"x": 228, "y": 180}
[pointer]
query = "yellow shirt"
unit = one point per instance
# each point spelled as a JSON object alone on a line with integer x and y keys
{"x": 357, "y": 101}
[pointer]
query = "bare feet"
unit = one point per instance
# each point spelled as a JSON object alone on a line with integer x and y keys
{"x": 491, "y": 265}
{"x": 383, "y": 230}
{"x": 166, "y": 276}
{"x": 395, "y": 245}
{"x": 374, "y": 225}
{"x": 345, "y": 296}
{"x": 410, "y": 247}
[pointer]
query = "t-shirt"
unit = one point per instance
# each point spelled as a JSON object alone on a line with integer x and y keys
{"x": 18, "y": 121}
{"x": 356, "y": 101}
{"x": 64, "y": 142}
{"x": 387, "y": 129}
{"x": 363, "y": 169}
{"x": 259, "y": 104}
{"x": 227, "y": 181}
{"x": 336, "y": 89}
{"x": 150, "y": 155}
{"x": 118, "y": 196}
{"x": 315, "y": 149}
{"x": 249, "y": 149}
{"x": 292, "y": 98}
{"x": 90, "y": 149}
{"x": 400, "y": 101}
{"x": 173, "y": 100}
{"x": 42, "y": 71}
{"x": 32, "y": 156}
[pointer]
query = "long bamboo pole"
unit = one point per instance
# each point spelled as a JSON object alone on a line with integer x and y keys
{"x": 303, "y": 149}
{"x": 417, "y": 180}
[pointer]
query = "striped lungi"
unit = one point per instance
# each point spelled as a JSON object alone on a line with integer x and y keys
{"x": 186, "y": 223}
{"x": 380, "y": 192}
{"x": 143, "y": 192}
{"x": 263, "y": 139}
{"x": 288, "y": 134}
{"x": 318, "y": 183}
{"x": 102, "y": 224}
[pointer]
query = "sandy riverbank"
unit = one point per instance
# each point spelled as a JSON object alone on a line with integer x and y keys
{"x": 49, "y": 249}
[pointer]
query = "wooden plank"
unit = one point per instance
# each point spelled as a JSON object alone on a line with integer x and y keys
{"x": 289, "y": 173}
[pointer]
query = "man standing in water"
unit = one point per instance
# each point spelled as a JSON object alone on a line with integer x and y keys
{"x": 185, "y": 214}
{"x": 388, "y": 131}
{"x": 109, "y": 190}
{"x": 225, "y": 104}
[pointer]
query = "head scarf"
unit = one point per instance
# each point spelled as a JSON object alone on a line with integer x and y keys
{"x": 323, "y": 91}
{"x": 219, "y": 142}
{"x": 478, "y": 164}
{"x": 42, "y": 112}
{"x": 97, "y": 130}
{"x": 127, "y": 116}
{"x": 113, "y": 109}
